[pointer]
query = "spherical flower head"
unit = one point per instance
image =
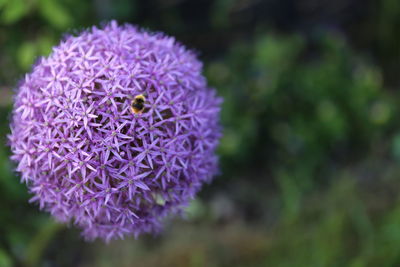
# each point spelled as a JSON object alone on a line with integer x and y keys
{"x": 116, "y": 129}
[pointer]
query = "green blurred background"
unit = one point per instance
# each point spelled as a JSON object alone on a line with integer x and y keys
{"x": 310, "y": 158}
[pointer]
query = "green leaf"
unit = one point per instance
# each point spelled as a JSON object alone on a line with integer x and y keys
{"x": 3, "y": 2}
{"x": 40, "y": 241}
{"x": 26, "y": 54}
{"x": 55, "y": 14}
{"x": 45, "y": 44}
{"x": 14, "y": 11}
{"x": 5, "y": 260}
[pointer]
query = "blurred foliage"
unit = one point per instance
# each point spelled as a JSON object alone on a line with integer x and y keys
{"x": 310, "y": 157}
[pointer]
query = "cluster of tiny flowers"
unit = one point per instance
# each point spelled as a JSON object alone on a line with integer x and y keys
{"x": 84, "y": 153}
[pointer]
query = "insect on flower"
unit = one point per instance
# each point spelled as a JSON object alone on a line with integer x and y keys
{"x": 137, "y": 105}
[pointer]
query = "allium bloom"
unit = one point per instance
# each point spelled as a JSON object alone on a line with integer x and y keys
{"x": 90, "y": 156}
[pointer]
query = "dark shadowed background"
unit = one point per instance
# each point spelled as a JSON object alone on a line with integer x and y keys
{"x": 310, "y": 158}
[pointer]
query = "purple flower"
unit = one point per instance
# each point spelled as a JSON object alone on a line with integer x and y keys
{"x": 115, "y": 130}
